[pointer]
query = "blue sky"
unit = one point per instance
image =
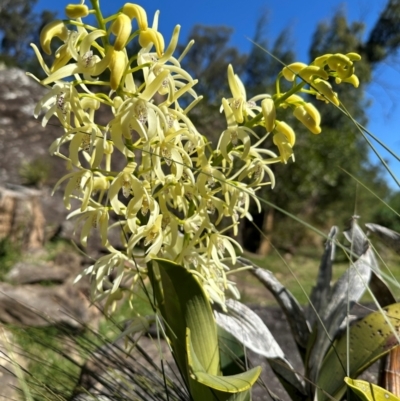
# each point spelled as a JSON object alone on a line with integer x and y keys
{"x": 302, "y": 17}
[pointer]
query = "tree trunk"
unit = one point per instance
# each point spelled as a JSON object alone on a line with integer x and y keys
{"x": 267, "y": 227}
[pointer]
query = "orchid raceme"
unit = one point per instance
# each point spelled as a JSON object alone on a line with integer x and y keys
{"x": 174, "y": 193}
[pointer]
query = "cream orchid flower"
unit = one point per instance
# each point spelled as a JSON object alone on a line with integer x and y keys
{"x": 239, "y": 104}
{"x": 175, "y": 193}
{"x": 87, "y": 63}
{"x": 233, "y": 134}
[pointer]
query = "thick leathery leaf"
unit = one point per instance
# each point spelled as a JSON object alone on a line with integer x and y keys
{"x": 321, "y": 292}
{"x": 231, "y": 353}
{"x": 357, "y": 238}
{"x": 290, "y": 307}
{"x": 186, "y": 305}
{"x": 391, "y": 238}
{"x": 369, "y": 392}
{"x": 248, "y": 328}
{"x": 381, "y": 290}
{"x": 289, "y": 379}
{"x": 369, "y": 339}
{"x": 348, "y": 289}
{"x": 229, "y": 384}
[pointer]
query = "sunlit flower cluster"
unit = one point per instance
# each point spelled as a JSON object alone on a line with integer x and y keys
{"x": 174, "y": 192}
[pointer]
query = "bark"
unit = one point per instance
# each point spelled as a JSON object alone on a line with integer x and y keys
{"x": 267, "y": 227}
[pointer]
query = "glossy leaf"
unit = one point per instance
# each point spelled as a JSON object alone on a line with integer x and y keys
{"x": 391, "y": 238}
{"x": 369, "y": 339}
{"x": 231, "y": 353}
{"x": 229, "y": 384}
{"x": 248, "y": 328}
{"x": 290, "y": 307}
{"x": 321, "y": 292}
{"x": 347, "y": 290}
{"x": 369, "y": 392}
{"x": 192, "y": 330}
{"x": 357, "y": 238}
{"x": 186, "y": 305}
{"x": 381, "y": 290}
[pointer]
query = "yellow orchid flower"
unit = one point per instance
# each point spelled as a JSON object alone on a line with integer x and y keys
{"x": 309, "y": 116}
{"x": 87, "y": 63}
{"x": 51, "y": 30}
{"x": 325, "y": 92}
{"x": 150, "y": 35}
{"x": 121, "y": 28}
{"x": 134, "y": 11}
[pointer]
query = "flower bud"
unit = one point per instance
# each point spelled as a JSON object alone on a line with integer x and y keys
{"x": 117, "y": 102}
{"x": 134, "y": 11}
{"x": 352, "y": 80}
{"x": 325, "y": 91}
{"x": 309, "y": 116}
{"x": 74, "y": 11}
{"x": 313, "y": 71}
{"x": 121, "y": 28}
{"x": 100, "y": 183}
{"x": 269, "y": 113}
{"x": 293, "y": 99}
{"x": 53, "y": 29}
{"x": 321, "y": 60}
{"x": 152, "y": 36}
{"x": 117, "y": 67}
{"x": 286, "y": 130}
{"x": 353, "y": 56}
{"x": 90, "y": 103}
{"x": 342, "y": 65}
{"x": 292, "y": 70}
{"x": 285, "y": 148}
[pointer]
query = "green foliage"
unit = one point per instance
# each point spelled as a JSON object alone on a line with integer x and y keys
{"x": 368, "y": 340}
{"x": 20, "y": 26}
{"x": 10, "y": 253}
{"x": 327, "y": 351}
{"x": 315, "y": 187}
{"x": 387, "y": 217}
{"x": 191, "y": 328}
{"x": 368, "y": 392}
{"x": 35, "y": 173}
{"x": 48, "y": 366}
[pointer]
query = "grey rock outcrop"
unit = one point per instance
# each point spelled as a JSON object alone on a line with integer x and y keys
{"x": 34, "y": 305}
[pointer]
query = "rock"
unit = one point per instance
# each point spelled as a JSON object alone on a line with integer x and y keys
{"x": 31, "y": 273}
{"x": 21, "y": 217}
{"x": 64, "y": 268}
{"x": 31, "y": 305}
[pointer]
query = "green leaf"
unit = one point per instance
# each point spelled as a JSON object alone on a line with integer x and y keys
{"x": 231, "y": 353}
{"x": 289, "y": 304}
{"x": 186, "y": 309}
{"x": 369, "y": 392}
{"x": 228, "y": 384}
{"x": 321, "y": 291}
{"x": 248, "y": 328}
{"x": 185, "y": 305}
{"x": 347, "y": 290}
{"x": 369, "y": 339}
